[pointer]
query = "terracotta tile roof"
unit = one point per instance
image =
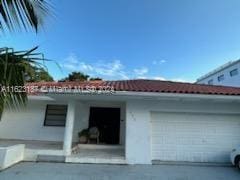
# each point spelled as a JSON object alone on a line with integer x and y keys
{"x": 149, "y": 86}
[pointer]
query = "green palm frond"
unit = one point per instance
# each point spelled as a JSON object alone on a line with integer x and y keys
{"x": 22, "y": 14}
{"x": 12, "y": 73}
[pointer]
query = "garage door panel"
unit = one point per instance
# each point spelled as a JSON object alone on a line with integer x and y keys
{"x": 194, "y": 137}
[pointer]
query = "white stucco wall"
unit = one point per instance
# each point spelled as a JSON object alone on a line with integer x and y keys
{"x": 28, "y": 124}
{"x": 138, "y": 123}
{"x": 138, "y": 133}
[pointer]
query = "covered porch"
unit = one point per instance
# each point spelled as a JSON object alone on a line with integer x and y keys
{"x": 82, "y": 112}
{"x": 109, "y": 118}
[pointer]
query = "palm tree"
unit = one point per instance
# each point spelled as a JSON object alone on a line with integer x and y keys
{"x": 23, "y": 14}
{"x": 14, "y": 15}
{"x": 13, "y": 70}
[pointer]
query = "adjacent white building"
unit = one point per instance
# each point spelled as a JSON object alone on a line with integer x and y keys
{"x": 226, "y": 75}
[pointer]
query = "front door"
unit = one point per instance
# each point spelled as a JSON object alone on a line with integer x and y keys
{"x": 107, "y": 120}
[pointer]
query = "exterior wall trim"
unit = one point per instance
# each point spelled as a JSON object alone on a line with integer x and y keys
{"x": 177, "y": 95}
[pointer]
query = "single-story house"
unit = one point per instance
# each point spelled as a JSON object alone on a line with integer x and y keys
{"x": 140, "y": 122}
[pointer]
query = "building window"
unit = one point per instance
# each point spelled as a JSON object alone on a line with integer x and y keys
{"x": 221, "y": 78}
{"x": 55, "y": 115}
{"x": 234, "y": 72}
{"x": 210, "y": 82}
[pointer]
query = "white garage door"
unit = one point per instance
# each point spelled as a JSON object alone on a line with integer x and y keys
{"x": 194, "y": 137}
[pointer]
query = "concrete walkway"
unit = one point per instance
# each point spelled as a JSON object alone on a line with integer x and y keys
{"x": 59, "y": 171}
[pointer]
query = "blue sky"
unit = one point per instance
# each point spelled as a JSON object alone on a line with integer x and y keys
{"x": 124, "y": 39}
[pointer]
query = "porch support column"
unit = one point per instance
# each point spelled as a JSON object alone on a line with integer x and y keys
{"x": 138, "y": 133}
{"x": 67, "y": 145}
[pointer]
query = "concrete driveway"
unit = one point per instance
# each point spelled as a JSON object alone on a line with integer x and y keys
{"x": 58, "y": 171}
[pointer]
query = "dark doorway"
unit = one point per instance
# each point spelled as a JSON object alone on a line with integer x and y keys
{"x": 107, "y": 120}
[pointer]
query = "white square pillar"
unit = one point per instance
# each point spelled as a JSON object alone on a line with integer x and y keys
{"x": 68, "y": 136}
{"x": 138, "y": 133}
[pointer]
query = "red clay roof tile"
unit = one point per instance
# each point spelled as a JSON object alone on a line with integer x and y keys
{"x": 157, "y": 86}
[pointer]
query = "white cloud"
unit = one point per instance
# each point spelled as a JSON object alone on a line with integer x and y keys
{"x": 151, "y": 77}
{"x": 110, "y": 70}
{"x": 141, "y": 77}
{"x": 159, "y": 78}
{"x": 72, "y": 58}
{"x": 181, "y": 80}
{"x": 141, "y": 71}
{"x": 159, "y": 62}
